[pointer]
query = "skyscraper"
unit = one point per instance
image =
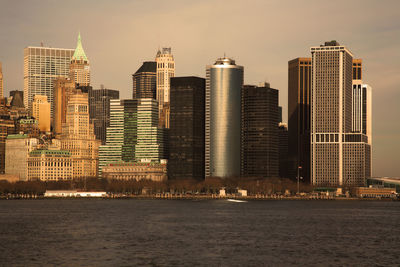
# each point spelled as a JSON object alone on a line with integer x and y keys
{"x": 78, "y": 137}
{"x": 224, "y": 81}
{"x": 41, "y": 112}
{"x": 299, "y": 84}
{"x": 144, "y": 81}
{"x": 186, "y": 133}
{"x": 338, "y": 156}
{"x": 63, "y": 89}
{"x": 79, "y": 70}
{"x": 42, "y": 65}
{"x": 165, "y": 70}
{"x": 1, "y": 82}
{"x": 260, "y": 141}
{"x": 99, "y": 110}
{"x": 283, "y": 150}
{"x": 133, "y": 134}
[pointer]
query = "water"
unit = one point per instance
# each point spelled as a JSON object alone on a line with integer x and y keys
{"x": 96, "y": 232}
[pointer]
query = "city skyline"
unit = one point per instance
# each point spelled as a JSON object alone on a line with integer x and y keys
{"x": 372, "y": 38}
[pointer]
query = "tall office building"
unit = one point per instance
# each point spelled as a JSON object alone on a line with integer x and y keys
{"x": 42, "y": 65}
{"x": 144, "y": 81}
{"x": 283, "y": 149}
{"x": 299, "y": 87}
{"x": 165, "y": 70}
{"x": 63, "y": 89}
{"x": 339, "y": 157}
{"x": 151, "y": 145}
{"x": 1, "y": 82}
{"x": 79, "y": 70}
{"x": 41, "y": 112}
{"x": 260, "y": 140}
{"x": 99, "y": 110}
{"x": 224, "y": 81}
{"x": 133, "y": 134}
{"x": 186, "y": 133}
{"x": 78, "y": 137}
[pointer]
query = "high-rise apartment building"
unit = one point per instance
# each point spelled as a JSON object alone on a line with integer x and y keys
{"x": 260, "y": 141}
{"x": 144, "y": 81}
{"x": 165, "y": 70}
{"x": 1, "y": 82}
{"x": 338, "y": 156}
{"x": 224, "y": 81}
{"x": 79, "y": 70}
{"x": 299, "y": 116}
{"x": 99, "y": 110}
{"x": 42, "y": 65}
{"x": 63, "y": 89}
{"x": 78, "y": 137}
{"x": 41, "y": 112}
{"x": 186, "y": 133}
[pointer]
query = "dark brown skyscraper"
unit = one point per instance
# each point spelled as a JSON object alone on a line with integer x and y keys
{"x": 260, "y": 118}
{"x": 299, "y": 84}
{"x": 99, "y": 110}
{"x": 144, "y": 81}
{"x": 186, "y": 133}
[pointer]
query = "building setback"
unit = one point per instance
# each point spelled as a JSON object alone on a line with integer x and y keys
{"x": 144, "y": 81}
{"x": 186, "y": 133}
{"x": 259, "y": 144}
{"x": 339, "y": 157}
{"x": 42, "y": 65}
{"x": 299, "y": 84}
{"x": 224, "y": 81}
{"x": 165, "y": 70}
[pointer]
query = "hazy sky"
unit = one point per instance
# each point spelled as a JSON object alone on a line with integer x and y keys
{"x": 261, "y": 35}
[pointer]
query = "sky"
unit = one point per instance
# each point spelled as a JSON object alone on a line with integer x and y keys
{"x": 260, "y": 35}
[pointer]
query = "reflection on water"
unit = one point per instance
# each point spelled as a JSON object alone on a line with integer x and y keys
{"x": 95, "y": 232}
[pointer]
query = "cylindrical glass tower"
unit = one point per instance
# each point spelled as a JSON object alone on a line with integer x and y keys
{"x": 223, "y": 118}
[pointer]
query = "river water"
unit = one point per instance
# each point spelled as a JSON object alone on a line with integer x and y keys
{"x": 131, "y": 232}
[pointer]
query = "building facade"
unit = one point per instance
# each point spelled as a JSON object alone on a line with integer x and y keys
{"x": 260, "y": 141}
{"x": 283, "y": 136}
{"x": 17, "y": 152}
{"x": 99, "y": 110}
{"x": 78, "y": 137}
{"x": 6, "y": 127}
{"x": 154, "y": 171}
{"x": 41, "y": 112}
{"x": 299, "y": 116}
{"x": 63, "y": 89}
{"x": 42, "y": 65}
{"x": 144, "y": 81}
{"x": 339, "y": 157}
{"x": 186, "y": 133}
{"x": 165, "y": 70}
{"x": 50, "y": 165}
{"x": 224, "y": 81}
{"x": 1, "y": 82}
{"x": 79, "y": 70}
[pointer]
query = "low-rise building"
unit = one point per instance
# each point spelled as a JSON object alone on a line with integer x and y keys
{"x": 135, "y": 171}
{"x": 49, "y": 165}
{"x": 18, "y": 147}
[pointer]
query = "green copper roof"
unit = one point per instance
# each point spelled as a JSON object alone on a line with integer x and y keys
{"x": 79, "y": 52}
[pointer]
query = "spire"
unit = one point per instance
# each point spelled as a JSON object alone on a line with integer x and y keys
{"x": 79, "y": 52}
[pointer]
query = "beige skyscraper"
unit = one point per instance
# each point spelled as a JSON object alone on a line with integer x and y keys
{"x": 41, "y": 112}
{"x": 42, "y": 65}
{"x": 1, "y": 82}
{"x": 339, "y": 156}
{"x": 78, "y": 137}
{"x": 165, "y": 70}
{"x": 79, "y": 70}
{"x": 63, "y": 88}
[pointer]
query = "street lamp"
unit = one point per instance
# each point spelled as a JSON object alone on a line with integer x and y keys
{"x": 298, "y": 179}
